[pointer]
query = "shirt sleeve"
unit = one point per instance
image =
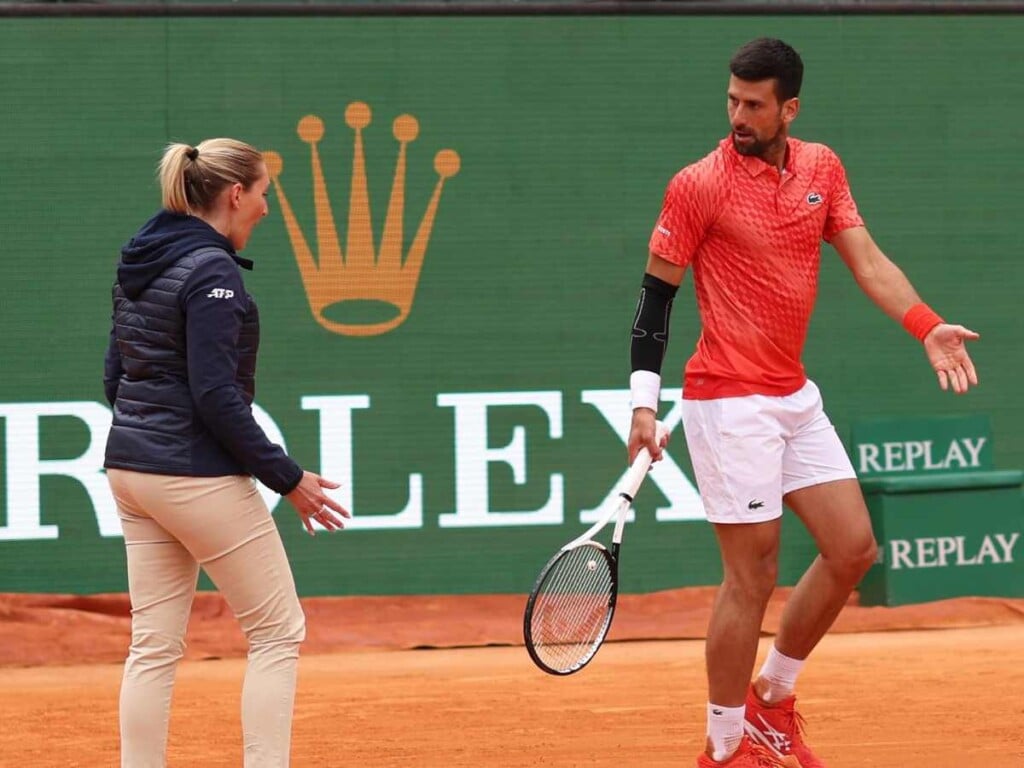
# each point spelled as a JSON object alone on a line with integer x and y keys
{"x": 687, "y": 213}
{"x": 215, "y": 304}
{"x": 842, "y": 210}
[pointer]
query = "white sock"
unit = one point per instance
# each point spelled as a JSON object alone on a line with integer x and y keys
{"x": 780, "y": 672}
{"x": 725, "y": 729}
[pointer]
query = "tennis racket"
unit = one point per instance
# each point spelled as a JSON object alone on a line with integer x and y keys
{"x": 572, "y": 603}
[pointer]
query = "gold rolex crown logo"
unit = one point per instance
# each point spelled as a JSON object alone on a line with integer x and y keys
{"x": 362, "y": 273}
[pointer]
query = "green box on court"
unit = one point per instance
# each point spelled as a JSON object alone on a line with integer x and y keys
{"x": 947, "y": 524}
{"x": 922, "y": 446}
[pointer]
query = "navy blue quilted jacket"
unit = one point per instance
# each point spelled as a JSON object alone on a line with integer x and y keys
{"x": 180, "y": 369}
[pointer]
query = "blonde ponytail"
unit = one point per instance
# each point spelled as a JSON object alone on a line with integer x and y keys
{"x": 191, "y": 178}
{"x": 173, "y": 166}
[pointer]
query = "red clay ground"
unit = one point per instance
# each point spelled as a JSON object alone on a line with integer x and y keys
{"x": 68, "y": 629}
{"x": 899, "y": 699}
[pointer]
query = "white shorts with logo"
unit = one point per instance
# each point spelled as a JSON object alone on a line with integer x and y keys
{"x": 749, "y": 452}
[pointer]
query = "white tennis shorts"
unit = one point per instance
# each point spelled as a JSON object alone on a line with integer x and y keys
{"x": 748, "y": 452}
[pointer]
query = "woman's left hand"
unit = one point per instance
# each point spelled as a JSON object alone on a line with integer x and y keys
{"x": 312, "y": 503}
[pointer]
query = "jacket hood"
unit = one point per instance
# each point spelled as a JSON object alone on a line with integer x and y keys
{"x": 160, "y": 242}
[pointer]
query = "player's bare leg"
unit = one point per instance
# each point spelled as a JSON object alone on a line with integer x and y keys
{"x": 750, "y": 563}
{"x": 837, "y": 518}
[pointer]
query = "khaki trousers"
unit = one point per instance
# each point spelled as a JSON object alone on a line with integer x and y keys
{"x": 172, "y": 526}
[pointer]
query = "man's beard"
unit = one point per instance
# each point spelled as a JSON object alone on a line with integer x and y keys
{"x": 756, "y": 148}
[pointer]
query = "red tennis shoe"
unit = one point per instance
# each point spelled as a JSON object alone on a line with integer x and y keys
{"x": 779, "y": 728}
{"x": 749, "y": 755}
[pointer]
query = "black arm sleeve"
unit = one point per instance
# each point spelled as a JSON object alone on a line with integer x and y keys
{"x": 213, "y": 326}
{"x": 650, "y": 326}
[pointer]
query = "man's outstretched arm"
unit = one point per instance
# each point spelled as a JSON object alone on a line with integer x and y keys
{"x": 887, "y": 286}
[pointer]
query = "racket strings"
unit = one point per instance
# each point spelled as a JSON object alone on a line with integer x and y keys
{"x": 572, "y": 609}
{"x": 577, "y": 596}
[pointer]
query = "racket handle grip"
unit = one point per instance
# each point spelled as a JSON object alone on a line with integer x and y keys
{"x": 638, "y": 469}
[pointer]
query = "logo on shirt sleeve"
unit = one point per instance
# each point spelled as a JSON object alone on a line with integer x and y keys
{"x": 815, "y": 198}
{"x": 664, "y": 231}
{"x": 220, "y": 293}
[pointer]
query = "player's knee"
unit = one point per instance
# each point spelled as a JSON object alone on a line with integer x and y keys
{"x": 852, "y": 564}
{"x": 754, "y": 586}
{"x": 868, "y": 557}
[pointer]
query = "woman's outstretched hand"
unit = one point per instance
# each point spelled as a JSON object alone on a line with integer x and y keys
{"x": 312, "y": 503}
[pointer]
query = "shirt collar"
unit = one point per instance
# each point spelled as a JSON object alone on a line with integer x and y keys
{"x": 755, "y": 166}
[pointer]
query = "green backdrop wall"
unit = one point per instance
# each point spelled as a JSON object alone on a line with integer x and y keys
{"x": 475, "y": 436}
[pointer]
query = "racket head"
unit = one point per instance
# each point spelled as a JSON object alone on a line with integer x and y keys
{"x": 570, "y": 608}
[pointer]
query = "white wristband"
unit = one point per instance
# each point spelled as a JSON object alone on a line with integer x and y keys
{"x": 644, "y": 390}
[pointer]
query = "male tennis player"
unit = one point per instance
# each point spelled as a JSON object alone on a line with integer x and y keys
{"x": 750, "y": 218}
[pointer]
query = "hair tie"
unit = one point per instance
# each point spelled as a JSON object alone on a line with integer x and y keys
{"x": 192, "y": 153}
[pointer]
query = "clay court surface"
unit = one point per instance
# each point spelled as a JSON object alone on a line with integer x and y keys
{"x": 941, "y": 687}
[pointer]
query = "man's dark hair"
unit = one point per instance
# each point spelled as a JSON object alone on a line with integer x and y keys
{"x": 765, "y": 58}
